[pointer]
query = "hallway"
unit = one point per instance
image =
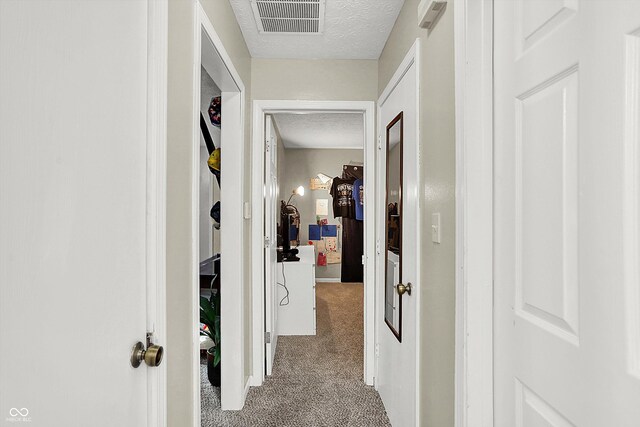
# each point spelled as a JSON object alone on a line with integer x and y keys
{"x": 317, "y": 380}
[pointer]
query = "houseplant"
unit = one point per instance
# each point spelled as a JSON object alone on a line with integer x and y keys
{"x": 210, "y": 317}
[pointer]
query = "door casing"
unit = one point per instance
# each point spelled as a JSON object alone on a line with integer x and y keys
{"x": 260, "y": 108}
{"x": 218, "y": 64}
{"x": 473, "y": 34}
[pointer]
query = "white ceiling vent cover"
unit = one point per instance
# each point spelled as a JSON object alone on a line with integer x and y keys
{"x": 289, "y": 16}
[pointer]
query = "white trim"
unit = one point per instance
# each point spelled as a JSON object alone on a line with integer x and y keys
{"x": 328, "y": 280}
{"x": 248, "y": 384}
{"x": 156, "y": 174}
{"x": 370, "y": 154}
{"x": 631, "y": 201}
{"x": 257, "y": 191}
{"x": 233, "y": 383}
{"x": 195, "y": 237}
{"x": 474, "y": 213}
{"x": 418, "y": 228}
{"x": 412, "y": 57}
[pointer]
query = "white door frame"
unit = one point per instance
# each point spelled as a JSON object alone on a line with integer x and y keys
{"x": 225, "y": 75}
{"x": 156, "y": 177}
{"x": 260, "y": 108}
{"x": 474, "y": 212}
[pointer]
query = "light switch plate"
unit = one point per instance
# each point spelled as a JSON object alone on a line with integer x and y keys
{"x": 435, "y": 228}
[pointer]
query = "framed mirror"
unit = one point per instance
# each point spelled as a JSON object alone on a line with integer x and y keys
{"x": 393, "y": 228}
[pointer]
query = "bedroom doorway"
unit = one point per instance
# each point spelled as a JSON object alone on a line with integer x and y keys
{"x": 305, "y": 209}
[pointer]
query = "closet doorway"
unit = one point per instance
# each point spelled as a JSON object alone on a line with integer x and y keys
{"x": 298, "y": 211}
{"x": 217, "y": 222}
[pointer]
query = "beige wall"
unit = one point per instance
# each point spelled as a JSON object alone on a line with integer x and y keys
{"x": 437, "y": 144}
{"x": 301, "y": 166}
{"x": 179, "y": 153}
{"x": 224, "y": 21}
{"x": 316, "y": 80}
{"x": 339, "y": 79}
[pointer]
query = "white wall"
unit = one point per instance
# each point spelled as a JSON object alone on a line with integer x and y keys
{"x": 437, "y": 157}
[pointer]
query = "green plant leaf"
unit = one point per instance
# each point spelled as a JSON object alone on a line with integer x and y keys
{"x": 216, "y": 355}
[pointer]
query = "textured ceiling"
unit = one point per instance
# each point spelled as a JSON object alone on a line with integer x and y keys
{"x": 354, "y": 29}
{"x": 321, "y": 130}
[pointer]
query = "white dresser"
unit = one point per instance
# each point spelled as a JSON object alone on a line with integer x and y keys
{"x": 298, "y": 317}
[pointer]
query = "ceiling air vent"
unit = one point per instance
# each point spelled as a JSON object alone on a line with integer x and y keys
{"x": 289, "y": 16}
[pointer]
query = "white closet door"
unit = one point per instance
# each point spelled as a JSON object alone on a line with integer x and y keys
{"x": 271, "y": 241}
{"x": 567, "y": 328}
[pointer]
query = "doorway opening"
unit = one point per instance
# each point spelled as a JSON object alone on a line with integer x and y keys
{"x": 314, "y": 175}
{"x": 293, "y": 150}
{"x": 217, "y": 224}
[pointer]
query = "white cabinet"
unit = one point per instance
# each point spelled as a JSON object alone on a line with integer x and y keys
{"x": 297, "y": 313}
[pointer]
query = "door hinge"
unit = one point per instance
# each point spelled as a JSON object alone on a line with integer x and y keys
{"x": 378, "y": 246}
{"x": 267, "y": 337}
{"x": 267, "y": 242}
{"x": 267, "y": 143}
{"x": 379, "y": 142}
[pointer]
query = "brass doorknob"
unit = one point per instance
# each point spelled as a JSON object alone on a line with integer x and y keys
{"x": 403, "y": 288}
{"x": 152, "y": 356}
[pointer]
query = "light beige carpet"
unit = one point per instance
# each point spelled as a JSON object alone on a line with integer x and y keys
{"x": 317, "y": 380}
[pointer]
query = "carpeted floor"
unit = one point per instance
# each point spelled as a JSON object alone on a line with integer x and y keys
{"x": 317, "y": 380}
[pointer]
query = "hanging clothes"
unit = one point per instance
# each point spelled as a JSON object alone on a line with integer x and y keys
{"x": 352, "y": 233}
{"x": 352, "y": 250}
{"x": 343, "y": 204}
{"x": 358, "y": 198}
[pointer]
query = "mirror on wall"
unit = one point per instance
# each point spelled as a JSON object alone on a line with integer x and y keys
{"x": 393, "y": 229}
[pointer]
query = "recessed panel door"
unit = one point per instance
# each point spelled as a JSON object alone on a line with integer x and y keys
{"x": 566, "y": 326}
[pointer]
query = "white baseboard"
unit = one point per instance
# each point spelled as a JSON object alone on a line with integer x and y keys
{"x": 247, "y": 386}
{"x": 328, "y": 280}
{"x": 253, "y": 382}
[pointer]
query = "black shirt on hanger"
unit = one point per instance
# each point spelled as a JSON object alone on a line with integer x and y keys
{"x": 343, "y": 203}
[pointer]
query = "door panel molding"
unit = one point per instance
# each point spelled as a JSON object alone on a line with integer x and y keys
{"x": 531, "y": 409}
{"x": 546, "y": 151}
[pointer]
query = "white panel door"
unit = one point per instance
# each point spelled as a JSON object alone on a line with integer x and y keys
{"x": 73, "y": 252}
{"x": 397, "y": 361}
{"x": 567, "y": 346}
{"x": 271, "y": 217}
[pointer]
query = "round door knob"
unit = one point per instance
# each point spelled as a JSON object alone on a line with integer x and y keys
{"x": 152, "y": 356}
{"x": 404, "y": 288}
